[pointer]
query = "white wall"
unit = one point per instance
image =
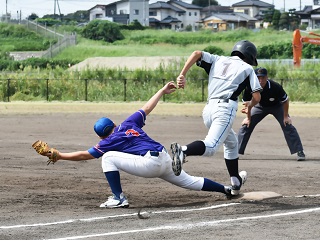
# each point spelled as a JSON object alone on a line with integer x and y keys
{"x": 96, "y": 11}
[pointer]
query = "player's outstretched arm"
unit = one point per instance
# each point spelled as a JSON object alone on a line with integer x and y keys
{"x": 76, "y": 156}
{"x": 167, "y": 89}
{"x": 193, "y": 58}
{"x": 54, "y": 155}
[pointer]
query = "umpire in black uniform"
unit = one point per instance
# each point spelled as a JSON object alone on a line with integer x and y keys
{"x": 274, "y": 101}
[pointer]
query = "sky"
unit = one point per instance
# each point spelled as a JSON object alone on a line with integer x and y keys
{"x": 42, "y": 7}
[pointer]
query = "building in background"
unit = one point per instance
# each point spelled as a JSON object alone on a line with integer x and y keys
{"x": 124, "y": 12}
{"x": 175, "y": 15}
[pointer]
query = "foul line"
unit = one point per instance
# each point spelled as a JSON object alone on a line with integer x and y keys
{"x": 132, "y": 214}
{"x": 115, "y": 216}
{"x": 196, "y": 225}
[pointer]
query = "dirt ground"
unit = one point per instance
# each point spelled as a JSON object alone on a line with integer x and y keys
{"x": 62, "y": 201}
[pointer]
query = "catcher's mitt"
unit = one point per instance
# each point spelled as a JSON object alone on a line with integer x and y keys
{"x": 43, "y": 149}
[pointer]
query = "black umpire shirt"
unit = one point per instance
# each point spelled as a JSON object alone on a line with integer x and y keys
{"x": 272, "y": 94}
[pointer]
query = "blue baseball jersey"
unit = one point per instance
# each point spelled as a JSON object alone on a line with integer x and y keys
{"x": 128, "y": 137}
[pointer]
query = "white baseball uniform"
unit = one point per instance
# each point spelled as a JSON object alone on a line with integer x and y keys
{"x": 228, "y": 76}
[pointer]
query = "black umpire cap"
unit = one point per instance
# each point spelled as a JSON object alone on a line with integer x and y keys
{"x": 261, "y": 72}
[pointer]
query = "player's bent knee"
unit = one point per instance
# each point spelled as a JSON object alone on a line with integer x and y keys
{"x": 209, "y": 151}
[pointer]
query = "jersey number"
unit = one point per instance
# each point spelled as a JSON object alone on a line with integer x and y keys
{"x": 132, "y": 132}
{"x": 225, "y": 69}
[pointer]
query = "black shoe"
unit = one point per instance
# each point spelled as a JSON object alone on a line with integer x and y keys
{"x": 301, "y": 156}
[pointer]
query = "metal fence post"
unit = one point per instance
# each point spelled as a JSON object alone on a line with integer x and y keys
{"x": 125, "y": 89}
{"x": 86, "y": 89}
{"x": 163, "y": 97}
{"x": 47, "y": 90}
{"x": 8, "y": 90}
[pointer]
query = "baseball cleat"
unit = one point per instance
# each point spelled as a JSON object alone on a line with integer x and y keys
{"x": 301, "y": 156}
{"x": 235, "y": 189}
{"x": 116, "y": 202}
{"x": 178, "y": 158}
{"x": 227, "y": 190}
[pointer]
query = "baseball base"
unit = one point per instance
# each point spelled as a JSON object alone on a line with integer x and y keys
{"x": 257, "y": 196}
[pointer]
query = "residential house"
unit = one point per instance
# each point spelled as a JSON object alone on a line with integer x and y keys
{"x": 253, "y": 8}
{"x": 98, "y": 11}
{"x": 165, "y": 16}
{"x": 310, "y": 15}
{"x": 123, "y": 11}
{"x": 175, "y": 15}
{"x": 228, "y": 21}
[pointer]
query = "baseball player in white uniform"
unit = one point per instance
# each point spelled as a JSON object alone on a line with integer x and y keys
{"x": 228, "y": 76}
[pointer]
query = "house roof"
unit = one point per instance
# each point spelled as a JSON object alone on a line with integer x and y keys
{"x": 316, "y": 10}
{"x": 234, "y": 17}
{"x": 153, "y": 20}
{"x": 250, "y": 3}
{"x": 217, "y": 9}
{"x": 98, "y": 6}
{"x": 164, "y": 5}
{"x": 184, "y": 4}
{"x": 305, "y": 11}
{"x": 170, "y": 19}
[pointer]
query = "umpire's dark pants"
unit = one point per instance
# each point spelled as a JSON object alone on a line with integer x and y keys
{"x": 257, "y": 114}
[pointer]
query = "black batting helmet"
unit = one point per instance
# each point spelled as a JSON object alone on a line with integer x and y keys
{"x": 248, "y": 50}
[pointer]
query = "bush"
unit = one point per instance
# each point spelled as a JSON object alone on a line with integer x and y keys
{"x": 135, "y": 25}
{"x": 214, "y": 50}
{"x": 35, "y": 63}
{"x": 102, "y": 30}
{"x": 281, "y": 50}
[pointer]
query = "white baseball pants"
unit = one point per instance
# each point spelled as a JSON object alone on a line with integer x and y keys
{"x": 219, "y": 118}
{"x": 150, "y": 167}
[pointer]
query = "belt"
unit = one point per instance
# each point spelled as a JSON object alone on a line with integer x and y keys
{"x": 223, "y": 101}
{"x": 154, "y": 153}
{"x": 157, "y": 153}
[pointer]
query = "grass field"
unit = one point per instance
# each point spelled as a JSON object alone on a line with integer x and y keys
{"x": 186, "y": 109}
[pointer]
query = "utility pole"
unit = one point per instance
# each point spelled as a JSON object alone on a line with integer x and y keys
{"x": 300, "y": 5}
{"x": 6, "y": 10}
{"x": 56, "y": 3}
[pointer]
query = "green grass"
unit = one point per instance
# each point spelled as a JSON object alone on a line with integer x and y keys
{"x": 301, "y": 85}
{"x": 136, "y": 43}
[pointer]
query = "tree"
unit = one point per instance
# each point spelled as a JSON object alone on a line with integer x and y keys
{"x": 78, "y": 16}
{"x": 102, "y": 30}
{"x": 33, "y": 16}
{"x": 284, "y": 21}
{"x": 293, "y": 19}
{"x": 276, "y": 19}
{"x": 204, "y": 3}
{"x": 267, "y": 17}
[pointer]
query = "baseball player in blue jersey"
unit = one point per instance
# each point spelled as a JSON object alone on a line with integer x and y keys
{"x": 128, "y": 148}
{"x": 228, "y": 76}
{"x": 274, "y": 101}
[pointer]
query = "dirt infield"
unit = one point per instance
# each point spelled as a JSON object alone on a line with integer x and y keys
{"x": 62, "y": 201}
